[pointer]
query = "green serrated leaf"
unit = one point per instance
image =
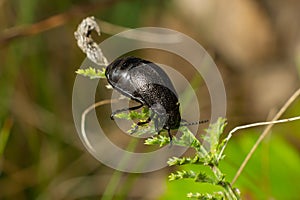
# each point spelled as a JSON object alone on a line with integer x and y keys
{"x": 181, "y": 175}
{"x": 123, "y": 115}
{"x": 185, "y": 160}
{"x": 143, "y": 115}
{"x": 158, "y": 140}
{"x": 128, "y": 116}
{"x": 92, "y": 73}
{"x": 214, "y": 132}
{"x": 206, "y": 196}
{"x": 204, "y": 178}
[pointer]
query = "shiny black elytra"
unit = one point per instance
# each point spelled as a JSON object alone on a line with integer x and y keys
{"x": 147, "y": 84}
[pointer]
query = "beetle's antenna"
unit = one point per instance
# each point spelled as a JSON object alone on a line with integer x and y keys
{"x": 185, "y": 123}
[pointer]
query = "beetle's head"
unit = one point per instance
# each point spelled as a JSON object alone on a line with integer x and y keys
{"x": 124, "y": 63}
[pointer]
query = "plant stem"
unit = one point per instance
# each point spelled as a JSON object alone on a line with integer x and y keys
{"x": 229, "y": 191}
{"x": 265, "y": 132}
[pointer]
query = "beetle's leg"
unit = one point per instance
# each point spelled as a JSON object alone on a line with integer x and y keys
{"x": 145, "y": 122}
{"x": 139, "y": 124}
{"x": 125, "y": 109}
{"x": 158, "y": 131}
{"x": 142, "y": 123}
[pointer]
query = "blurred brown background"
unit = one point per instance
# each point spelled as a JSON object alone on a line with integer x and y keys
{"x": 255, "y": 44}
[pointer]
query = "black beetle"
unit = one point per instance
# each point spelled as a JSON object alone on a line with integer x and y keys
{"x": 147, "y": 84}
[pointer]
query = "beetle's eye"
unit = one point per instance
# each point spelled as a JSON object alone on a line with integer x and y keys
{"x": 124, "y": 65}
